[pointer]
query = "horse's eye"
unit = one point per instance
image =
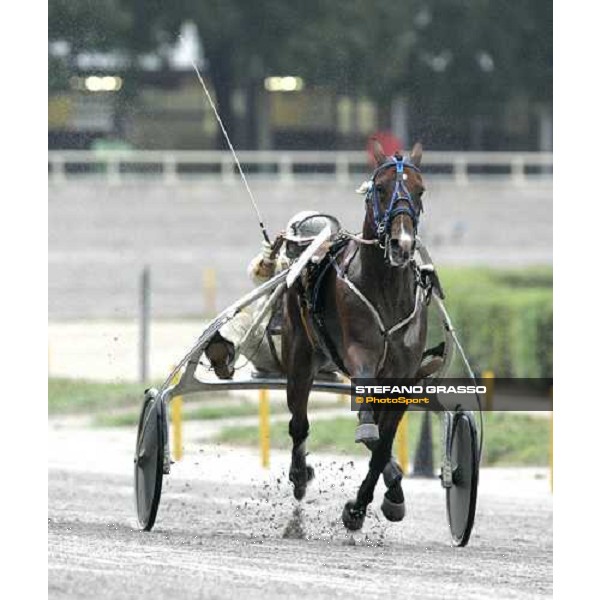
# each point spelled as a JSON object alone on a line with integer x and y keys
{"x": 380, "y": 188}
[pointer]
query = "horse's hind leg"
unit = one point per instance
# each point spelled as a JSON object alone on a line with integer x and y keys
{"x": 393, "y": 500}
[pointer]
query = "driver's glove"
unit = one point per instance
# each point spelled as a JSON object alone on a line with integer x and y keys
{"x": 267, "y": 250}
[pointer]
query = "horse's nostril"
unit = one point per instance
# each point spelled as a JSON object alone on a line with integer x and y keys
{"x": 406, "y": 245}
{"x": 396, "y": 248}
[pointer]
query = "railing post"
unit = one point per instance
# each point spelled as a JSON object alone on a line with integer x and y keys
{"x": 285, "y": 168}
{"x": 461, "y": 175}
{"x": 342, "y": 169}
{"x": 113, "y": 169}
{"x": 517, "y": 169}
{"x": 170, "y": 169}
{"x": 58, "y": 169}
{"x": 227, "y": 169}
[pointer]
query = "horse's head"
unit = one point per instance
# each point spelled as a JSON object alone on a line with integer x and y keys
{"x": 394, "y": 204}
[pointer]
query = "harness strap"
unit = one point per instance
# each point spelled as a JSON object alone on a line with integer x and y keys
{"x": 418, "y": 301}
{"x": 385, "y": 333}
{"x": 366, "y": 301}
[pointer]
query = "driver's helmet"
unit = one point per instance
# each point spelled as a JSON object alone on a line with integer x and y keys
{"x": 304, "y": 227}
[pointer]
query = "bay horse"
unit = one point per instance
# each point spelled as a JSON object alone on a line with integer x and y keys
{"x": 369, "y": 316}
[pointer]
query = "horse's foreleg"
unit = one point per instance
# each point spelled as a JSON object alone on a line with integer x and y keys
{"x": 298, "y": 390}
{"x": 300, "y": 362}
{"x": 363, "y": 366}
{"x": 354, "y": 512}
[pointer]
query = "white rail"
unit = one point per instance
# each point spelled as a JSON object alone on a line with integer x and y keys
{"x": 176, "y": 166}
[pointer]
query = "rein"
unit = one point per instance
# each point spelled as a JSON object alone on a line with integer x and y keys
{"x": 359, "y": 239}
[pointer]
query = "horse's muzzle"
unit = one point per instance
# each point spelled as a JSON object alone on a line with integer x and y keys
{"x": 400, "y": 251}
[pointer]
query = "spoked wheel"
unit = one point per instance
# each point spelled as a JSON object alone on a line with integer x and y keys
{"x": 461, "y": 490}
{"x": 149, "y": 459}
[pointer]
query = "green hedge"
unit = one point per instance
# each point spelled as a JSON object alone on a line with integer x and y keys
{"x": 503, "y": 317}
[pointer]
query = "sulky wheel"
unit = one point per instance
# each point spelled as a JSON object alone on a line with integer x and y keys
{"x": 461, "y": 495}
{"x": 149, "y": 459}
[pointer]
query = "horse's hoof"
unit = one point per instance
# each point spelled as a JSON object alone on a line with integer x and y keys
{"x": 366, "y": 433}
{"x": 300, "y": 479}
{"x": 391, "y": 510}
{"x": 353, "y": 519}
{"x": 299, "y": 491}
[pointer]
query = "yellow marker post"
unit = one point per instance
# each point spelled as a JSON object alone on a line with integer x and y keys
{"x": 551, "y": 444}
{"x": 210, "y": 291}
{"x": 402, "y": 443}
{"x": 263, "y": 426}
{"x": 177, "y": 421}
{"x": 488, "y": 377}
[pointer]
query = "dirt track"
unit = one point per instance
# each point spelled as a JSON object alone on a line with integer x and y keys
{"x": 226, "y": 528}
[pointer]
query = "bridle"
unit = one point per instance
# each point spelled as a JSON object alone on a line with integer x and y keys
{"x": 383, "y": 222}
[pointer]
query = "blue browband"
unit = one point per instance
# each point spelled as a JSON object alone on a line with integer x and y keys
{"x": 383, "y": 223}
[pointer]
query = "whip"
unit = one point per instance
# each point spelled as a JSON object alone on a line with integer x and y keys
{"x": 237, "y": 162}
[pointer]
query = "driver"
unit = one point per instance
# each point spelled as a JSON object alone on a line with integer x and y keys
{"x": 222, "y": 347}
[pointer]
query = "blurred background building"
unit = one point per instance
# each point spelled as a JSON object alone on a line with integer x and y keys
{"x": 457, "y": 75}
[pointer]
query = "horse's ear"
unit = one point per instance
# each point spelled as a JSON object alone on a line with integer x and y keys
{"x": 378, "y": 152}
{"x": 416, "y": 154}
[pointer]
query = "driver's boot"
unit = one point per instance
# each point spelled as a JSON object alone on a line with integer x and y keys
{"x": 221, "y": 354}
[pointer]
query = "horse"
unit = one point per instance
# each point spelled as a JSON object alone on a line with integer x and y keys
{"x": 370, "y": 318}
